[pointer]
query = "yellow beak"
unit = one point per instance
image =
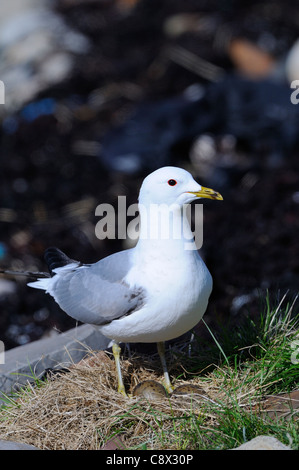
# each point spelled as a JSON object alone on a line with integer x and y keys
{"x": 207, "y": 193}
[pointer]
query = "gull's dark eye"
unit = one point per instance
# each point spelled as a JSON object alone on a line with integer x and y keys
{"x": 172, "y": 182}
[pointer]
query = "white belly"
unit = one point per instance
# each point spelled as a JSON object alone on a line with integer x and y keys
{"x": 176, "y": 302}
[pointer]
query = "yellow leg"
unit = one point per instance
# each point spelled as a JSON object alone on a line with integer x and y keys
{"x": 161, "y": 351}
{"x": 116, "y": 353}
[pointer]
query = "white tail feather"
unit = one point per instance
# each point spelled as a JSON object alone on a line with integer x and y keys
{"x": 40, "y": 284}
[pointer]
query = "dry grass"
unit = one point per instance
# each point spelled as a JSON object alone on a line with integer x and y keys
{"x": 81, "y": 409}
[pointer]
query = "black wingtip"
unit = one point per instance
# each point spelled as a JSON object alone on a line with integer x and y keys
{"x": 55, "y": 258}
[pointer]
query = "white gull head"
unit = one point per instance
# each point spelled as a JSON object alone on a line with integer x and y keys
{"x": 173, "y": 186}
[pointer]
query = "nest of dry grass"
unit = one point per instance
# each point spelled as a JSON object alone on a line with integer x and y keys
{"x": 81, "y": 409}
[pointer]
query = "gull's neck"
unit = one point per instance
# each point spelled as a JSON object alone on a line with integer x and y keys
{"x": 164, "y": 230}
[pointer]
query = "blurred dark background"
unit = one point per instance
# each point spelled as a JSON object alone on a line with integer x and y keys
{"x": 98, "y": 93}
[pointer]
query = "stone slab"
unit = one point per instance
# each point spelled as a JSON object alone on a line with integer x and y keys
{"x": 23, "y": 363}
{"x": 11, "y": 445}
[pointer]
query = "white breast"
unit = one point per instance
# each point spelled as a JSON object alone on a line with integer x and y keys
{"x": 177, "y": 295}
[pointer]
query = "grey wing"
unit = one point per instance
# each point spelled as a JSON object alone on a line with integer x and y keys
{"x": 97, "y": 293}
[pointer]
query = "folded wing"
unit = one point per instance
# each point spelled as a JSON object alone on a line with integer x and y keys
{"x": 96, "y": 293}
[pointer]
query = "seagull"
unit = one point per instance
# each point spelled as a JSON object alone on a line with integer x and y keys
{"x": 151, "y": 293}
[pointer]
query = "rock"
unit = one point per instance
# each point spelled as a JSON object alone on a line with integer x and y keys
{"x": 263, "y": 443}
{"x": 11, "y": 445}
{"x": 279, "y": 406}
{"x": 55, "y": 352}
